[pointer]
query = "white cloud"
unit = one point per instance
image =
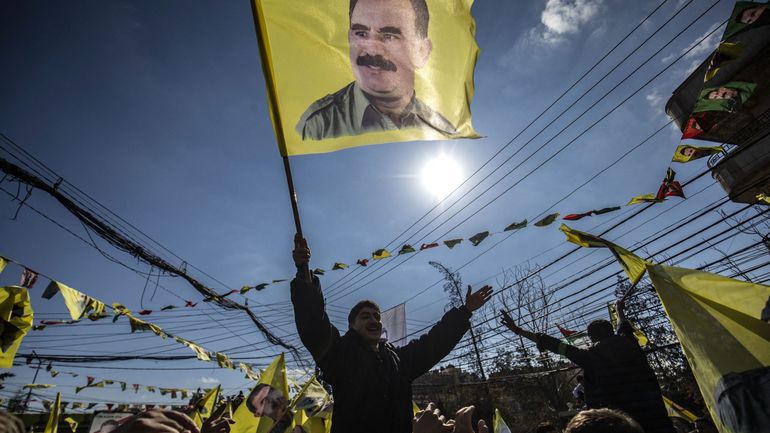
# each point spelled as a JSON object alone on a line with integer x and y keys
{"x": 564, "y": 17}
{"x": 699, "y": 50}
{"x": 655, "y": 99}
{"x": 208, "y": 380}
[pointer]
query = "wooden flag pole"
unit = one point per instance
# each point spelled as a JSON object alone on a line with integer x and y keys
{"x": 302, "y": 270}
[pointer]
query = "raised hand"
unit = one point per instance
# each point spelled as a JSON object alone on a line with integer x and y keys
{"x": 508, "y": 322}
{"x": 464, "y": 423}
{"x": 430, "y": 420}
{"x": 301, "y": 253}
{"x": 474, "y": 301}
{"x": 158, "y": 421}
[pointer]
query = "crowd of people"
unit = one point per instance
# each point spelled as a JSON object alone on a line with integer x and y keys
{"x": 371, "y": 380}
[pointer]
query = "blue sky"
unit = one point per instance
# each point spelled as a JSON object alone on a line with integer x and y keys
{"x": 158, "y": 111}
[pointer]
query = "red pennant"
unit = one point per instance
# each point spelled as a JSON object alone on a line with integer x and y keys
{"x": 136, "y": 387}
{"x": 230, "y": 292}
{"x": 362, "y": 262}
{"x": 145, "y": 312}
{"x": 577, "y": 216}
{"x": 90, "y": 380}
{"x": 426, "y": 246}
{"x": 565, "y": 332}
{"x": 675, "y": 190}
{"x": 190, "y": 304}
{"x": 109, "y": 405}
{"x": 692, "y": 129}
{"x": 28, "y": 278}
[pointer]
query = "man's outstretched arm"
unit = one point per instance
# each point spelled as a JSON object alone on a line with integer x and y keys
{"x": 313, "y": 325}
{"x": 421, "y": 355}
{"x": 546, "y": 342}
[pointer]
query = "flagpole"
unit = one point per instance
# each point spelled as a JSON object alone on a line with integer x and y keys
{"x": 303, "y": 270}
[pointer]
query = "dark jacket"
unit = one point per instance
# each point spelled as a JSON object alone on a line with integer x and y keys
{"x": 372, "y": 390}
{"x": 617, "y": 376}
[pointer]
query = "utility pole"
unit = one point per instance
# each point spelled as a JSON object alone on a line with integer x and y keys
{"x": 34, "y": 378}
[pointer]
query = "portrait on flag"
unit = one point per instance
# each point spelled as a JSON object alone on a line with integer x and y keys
{"x": 357, "y": 72}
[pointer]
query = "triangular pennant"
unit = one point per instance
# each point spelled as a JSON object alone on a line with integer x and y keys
{"x": 406, "y": 249}
{"x": 380, "y": 254}
{"x": 452, "y": 242}
{"x": 478, "y": 238}
{"x": 548, "y": 220}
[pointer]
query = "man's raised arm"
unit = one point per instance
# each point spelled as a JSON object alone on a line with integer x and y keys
{"x": 546, "y": 342}
{"x": 422, "y": 354}
{"x": 313, "y": 325}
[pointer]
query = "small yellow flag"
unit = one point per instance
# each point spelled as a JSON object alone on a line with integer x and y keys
{"x": 498, "y": 423}
{"x": 763, "y": 198}
{"x": 253, "y": 415}
{"x": 646, "y": 198}
{"x": 73, "y": 424}
{"x": 78, "y": 304}
{"x": 15, "y": 319}
{"x": 205, "y": 406}
{"x": 641, "y": 338}
{"x": 687, "y": 153}
{"x": 631, "y": 263}
{"x": 674, "y": 410}
{"x": 380, "y": 254}
{"x": 722, "y": 325}
{"x": 52, "y": 426}
{"x": 3, "y": 263}
{"x": 415, "y": 408}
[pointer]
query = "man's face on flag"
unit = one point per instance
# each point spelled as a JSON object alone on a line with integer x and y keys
{"x": 688, "y": 151}
{"x": 723, "y": 93}
{"x": 267, "y": 401}
{"x": 751, "y": 15}
{"x": 368, "y": 324}
{"x": 385, "y": 47}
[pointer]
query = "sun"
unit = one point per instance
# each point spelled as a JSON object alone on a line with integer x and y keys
{"x": 441, "y": 176}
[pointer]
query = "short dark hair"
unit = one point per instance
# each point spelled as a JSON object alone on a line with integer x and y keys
{"x": 599, "y": 329}
{"x": 420, "y": 11}
{"x": 546, "y": 427}
{"x": 360, "y": 306}
{"x": 602, "y": 421}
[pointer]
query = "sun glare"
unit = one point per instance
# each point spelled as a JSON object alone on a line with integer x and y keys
{"x": 441, "y": 176}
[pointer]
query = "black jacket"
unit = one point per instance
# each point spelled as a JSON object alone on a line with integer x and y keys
{"x": 372, "y": 390}
{"x": 617, "y": 376}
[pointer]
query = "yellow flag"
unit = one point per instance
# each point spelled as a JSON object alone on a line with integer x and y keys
{"x": 52, "y": 426}
{"x": 205, "y": 406}
{"x": 141, "y": 325}
{"x": 674, "y": 410}
{"x": 687, "y": 153}
{"x": 73, "y": 424}
{"x": 498, "y": 424}
{"x": 641, "y": 338}
{"x": 631, "y": 263}
{"x": 267, "y": 403}
{"x": 763, "y": 198}
{"x": 645, "y": 198}
{"x": 15, "y": 319}
{"x": 380, "y": 254}
{"x": 78, "y": 304}
{"x": 338, "y": 78}
{"x": 3, "y": 263}
{"x": 415, "y": 408}
{"x": 313, "y": 400}
{"x": 722, "y": 325}
{"x": 224, "y": 361}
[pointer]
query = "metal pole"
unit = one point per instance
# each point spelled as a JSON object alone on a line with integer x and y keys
{"x": 34, "y": 378}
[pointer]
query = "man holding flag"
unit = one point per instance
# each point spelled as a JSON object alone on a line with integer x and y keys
{"x": 371, "y": 380}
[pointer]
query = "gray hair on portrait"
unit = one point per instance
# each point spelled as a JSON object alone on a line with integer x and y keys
{"x": 420, "y": 11}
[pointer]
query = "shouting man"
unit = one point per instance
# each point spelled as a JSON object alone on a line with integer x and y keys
{"x": 371, "y": 380}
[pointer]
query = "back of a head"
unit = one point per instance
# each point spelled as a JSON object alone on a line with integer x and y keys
{"x": 546, "y": 427}
{"x": 602, "y": 421}
{"x": 600, "y": 329}
{"x": 10, "y": 423}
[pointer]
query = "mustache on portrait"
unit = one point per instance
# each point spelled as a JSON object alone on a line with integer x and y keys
{"x": 376, "y": 61}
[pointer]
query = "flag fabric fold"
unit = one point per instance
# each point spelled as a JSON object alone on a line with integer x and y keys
{"x": 16, "y": 318}
{"x": 632, "y": 264}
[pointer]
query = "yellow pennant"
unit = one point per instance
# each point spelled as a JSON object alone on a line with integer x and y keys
{"x": 267, "y": 403}
{"x": 630, "y": 262}
{"x": 78, "y": 304}
{"x": 645, "y": 198}
{"x": 641, "y": 338}
{"x": 674, "y": 410}
{"x": 722, "y": 325}
{"x": 205, "y": 406}
{"x": 687, "y": 153}
{"x": 52, "y": 426}
{"x": 498, "y": 423}
{"x": 3, "y": 263}
{"x": 73, "y": 424}
{"x": 379, "y": 73}
{"x": 16, "y": 319}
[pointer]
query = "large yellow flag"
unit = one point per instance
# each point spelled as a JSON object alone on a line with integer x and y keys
{"x": 52, "y": 426}
{"x": 15, "y": 321}
{"x": 205, "y": 406}
{"x": 350, "y": 73}
{"x": 78, "y": 304}
{"x": 267, "y": 403}
{"x": 498, "y": 424}
{"x": 631, "y": 263}
{"x": 722, "y": 325}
